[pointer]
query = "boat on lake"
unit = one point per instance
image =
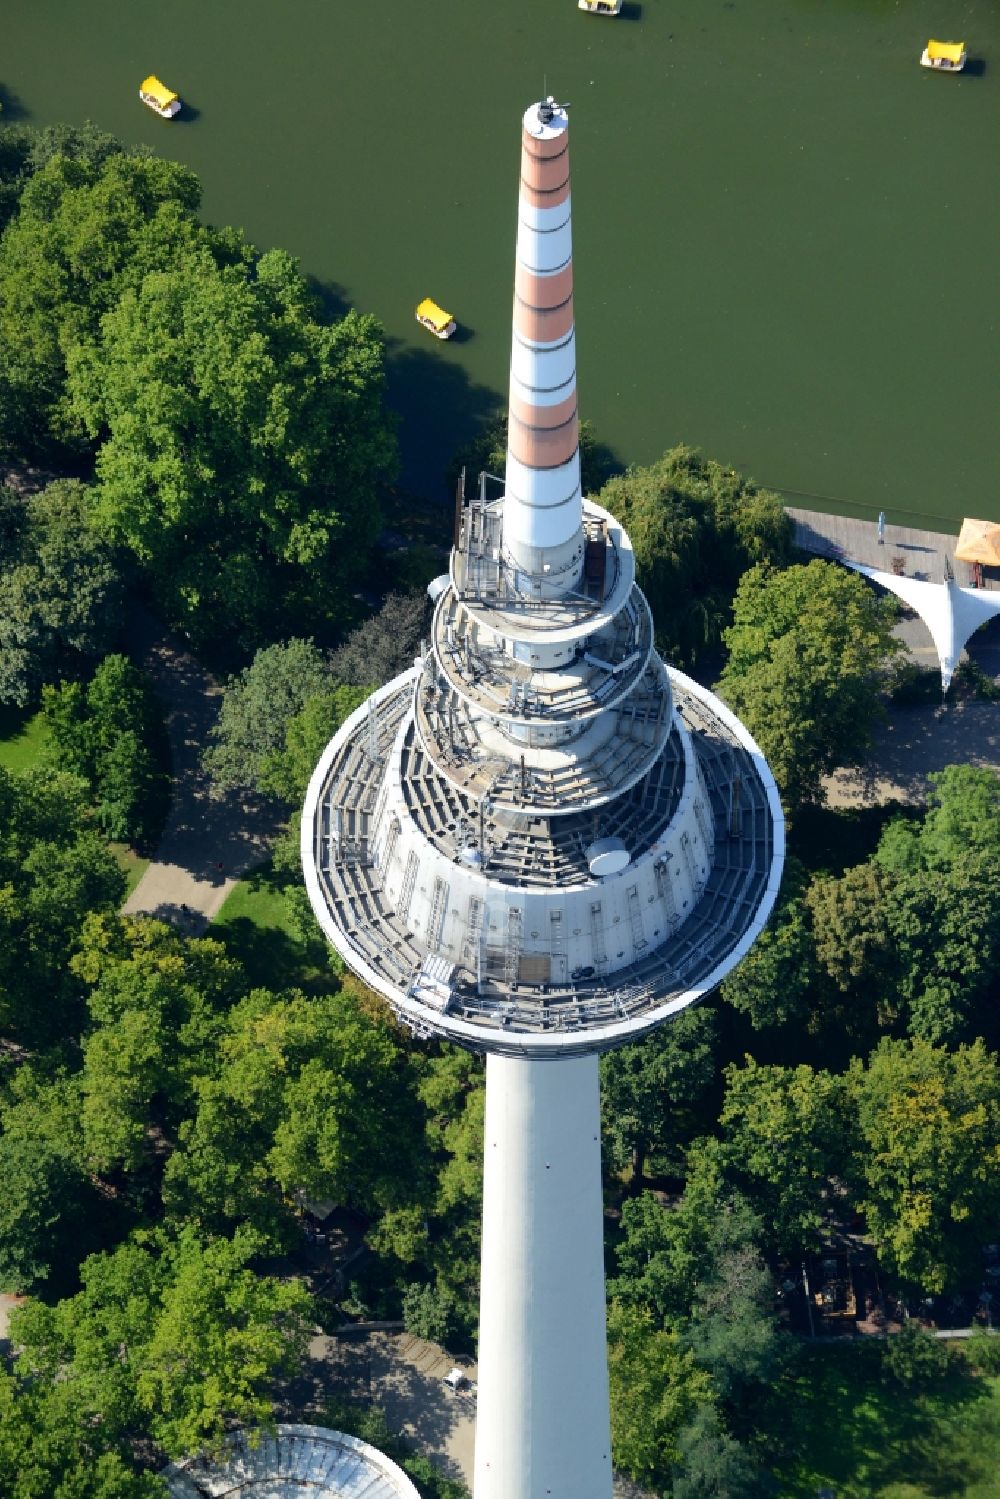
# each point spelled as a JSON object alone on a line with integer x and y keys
{"x": 944, "y": 57}
{"x": 159, "y": 98}
{"x": 435, "y": 319}
{"x": 600, "y": 7}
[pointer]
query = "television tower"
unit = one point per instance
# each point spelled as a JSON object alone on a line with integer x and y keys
{"x": 541, "y": 842}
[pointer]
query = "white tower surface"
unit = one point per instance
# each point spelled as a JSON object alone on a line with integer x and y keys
{"x": 540, "y": 842}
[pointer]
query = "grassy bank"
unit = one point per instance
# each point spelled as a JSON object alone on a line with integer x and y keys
{"x": 261, "y": 929}
{"x": 23, "y": 737}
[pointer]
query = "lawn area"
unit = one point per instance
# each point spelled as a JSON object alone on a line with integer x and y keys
{"x": 134, "y": 865}
{"x": 866, "y": 1439}
{"x": 260, "y": 930}
{"x": 22, "y": 737}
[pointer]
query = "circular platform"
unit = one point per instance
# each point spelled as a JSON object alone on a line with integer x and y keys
{"x": 297, "y": 1462}
{"x": 524, "y": 951}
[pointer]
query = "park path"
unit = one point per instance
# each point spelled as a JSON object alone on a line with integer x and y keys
{"x": 405, "y": 1375}
{"x": 919, "y": 554}
{"x": 208, "y": 841}
{"x": 911, "y": 744}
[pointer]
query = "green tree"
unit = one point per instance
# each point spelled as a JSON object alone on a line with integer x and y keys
{"x": 60, "y": 589}
{"x": 88, "y": 226}
{"x": 808, "y": 651}
{"x": 286, "y": 773}
{"x": 325, "y": 1095}
{"x": 429, "y": 1312}
{"x": 776, "y": 982}
{"x": 49, "y": 1449}
{"x": 914, "y": 1359}
{"x": 222, "y": 1335}
{"x": 733, "y": 1332}
{"x": 927, "y": 1159}
{"x": 783, "y": 1144}
{"x": 453, "y": 1094}
{"x": 944, "y": 927}
{"x": 259, "y": 705}
{"x": 941, "y": 876}
{"x": 24, "y": 150}
{"x": 656, "y": 1387}
{"x": 158, "y": 1004}
{"x": 112, "y": 734}
{"x": 247, "y": 442}
{"x": 713, "y": 1465}
{"x": 962, "y": 818}
{"x": 696, "y": 527}
{"x": 177, "y": 1338}
{"x": 854, "y": 943}
{"x": 48, "y": 1206}
{"x": 653, "y": 1094}
{"x": 54, "y": 870}
{"x": 665, "y": 1253}
{"x": 385, "y": 644}
{"x": 16, "y": 142}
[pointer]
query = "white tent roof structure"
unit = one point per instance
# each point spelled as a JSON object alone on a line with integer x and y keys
{"x": 951, "y": 614}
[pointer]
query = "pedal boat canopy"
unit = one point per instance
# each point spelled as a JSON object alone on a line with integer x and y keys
{"x": 158, "y": 94}
{"x": 950, "y": 56}
{"x": 434, "y": 318}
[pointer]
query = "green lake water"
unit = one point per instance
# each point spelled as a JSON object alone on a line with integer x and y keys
{"x": 786, "y": 232}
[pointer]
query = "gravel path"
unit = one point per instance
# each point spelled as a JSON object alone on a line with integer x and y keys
{"x": 913, "y": 742}
{"x": 208, "y": 841}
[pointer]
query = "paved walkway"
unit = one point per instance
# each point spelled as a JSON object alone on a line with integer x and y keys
{"x": 914, "y": 742}
{"x": 405, "y": 1375}
{"x": 208, "y": 841}
{"x": 922, "y": 553}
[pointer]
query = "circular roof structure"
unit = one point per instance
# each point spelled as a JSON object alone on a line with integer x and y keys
{"x": 297, "y": 1462}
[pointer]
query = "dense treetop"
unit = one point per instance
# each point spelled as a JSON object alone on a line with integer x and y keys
{"x": 239, "y": 439}
{"x": 61, "y": 597}
{"x": 695, "y": 527}
{"x": 808, "y": 652}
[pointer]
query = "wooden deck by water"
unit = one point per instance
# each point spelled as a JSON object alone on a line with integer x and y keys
{"x": 918, "y": 554}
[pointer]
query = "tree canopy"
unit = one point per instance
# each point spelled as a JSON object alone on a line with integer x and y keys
{"x": 240, "y": 439}
{"x": 87, "y": 227}
{"x": 783, "y": 1143}
{"x": 176, "y": 1335}
{"x": 256, "y": 712}
{"x": 245, "y": 442}
{"x": 928, "y": 1170}
{"x": 653, "y": 1093}
{"x": 111, "y": 733}
{"x": 324, "y": 1094}
{"x": 695, "y": 527}
{"x": 54, "y": 870}
{"x": 60, "y": 588}
{"x": 808, "y": 652}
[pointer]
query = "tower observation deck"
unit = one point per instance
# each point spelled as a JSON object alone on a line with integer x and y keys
{"x": 541, "y": 842}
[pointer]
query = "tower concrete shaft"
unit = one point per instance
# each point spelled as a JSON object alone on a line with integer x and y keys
{"x": 543, "y": 509}
{"x": 542, "y": 1423}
